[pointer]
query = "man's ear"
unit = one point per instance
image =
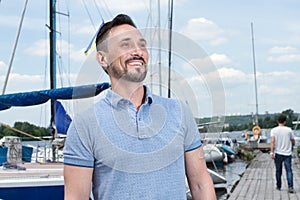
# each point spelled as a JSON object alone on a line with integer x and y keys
{"x": 102, "y": 60}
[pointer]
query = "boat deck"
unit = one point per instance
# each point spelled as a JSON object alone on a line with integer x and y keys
{"x": 259, "y": 182}
{"x": 35, "y": 172}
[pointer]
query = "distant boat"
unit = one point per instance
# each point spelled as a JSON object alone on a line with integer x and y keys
{"x": 228, "y": 150}
{"x": 212, "y": 153}
{"x": 256, "y": 129}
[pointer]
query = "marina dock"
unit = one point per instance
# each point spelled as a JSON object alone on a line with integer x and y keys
{"x": 259, "y": 183}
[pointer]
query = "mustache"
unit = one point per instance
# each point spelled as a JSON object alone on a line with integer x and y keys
{"x": 135, "y": 58}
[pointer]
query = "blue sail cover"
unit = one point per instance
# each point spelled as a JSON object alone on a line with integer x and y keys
{"x": 42, "y": 96}
{"x": 62, "y": 119}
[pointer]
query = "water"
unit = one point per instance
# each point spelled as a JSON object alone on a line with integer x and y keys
{"x": 232, "y": 172}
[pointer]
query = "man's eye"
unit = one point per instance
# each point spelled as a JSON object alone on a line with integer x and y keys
{"x": 125, "y": 44}
{"x": 143, "y": 45}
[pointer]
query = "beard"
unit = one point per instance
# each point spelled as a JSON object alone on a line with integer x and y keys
{"x": 135, "y": 75}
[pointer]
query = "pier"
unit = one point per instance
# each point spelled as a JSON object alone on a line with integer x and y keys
{"x": 259, "y": 183}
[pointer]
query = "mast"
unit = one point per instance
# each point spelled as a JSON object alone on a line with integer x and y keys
{"x": 52, "y": 15}
{"x": 255, "y": 81}
{"x": 170, "y": 46}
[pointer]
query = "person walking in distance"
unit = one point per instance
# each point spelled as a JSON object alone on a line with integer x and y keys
{"x": 282, "y": 143}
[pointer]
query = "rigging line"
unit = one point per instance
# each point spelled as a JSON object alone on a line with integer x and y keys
{"x": 58, "y": 51}
{"x": 43, "y": 108}
{"x": 15, "y": 48}
{"x": 69, "y": 48}
{"x": 86, "y": 9}
{"x": 108, "y": 13}
{"x": 23, "y": 133}
{"x": 97, "y": 7}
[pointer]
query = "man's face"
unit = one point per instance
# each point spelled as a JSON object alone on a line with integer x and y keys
{"x": 127, "y": 55}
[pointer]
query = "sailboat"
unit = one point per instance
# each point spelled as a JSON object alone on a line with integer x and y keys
{"x": 258, "y": 137}
{"x": 38, "y": 180}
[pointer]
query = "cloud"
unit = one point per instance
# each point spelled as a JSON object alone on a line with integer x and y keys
{"x": 283, "y": 50}
{"x": 280, "y": 83}
{"x": 284, "y": 54}
{"x": 285, "y": 58}
{"x": 25, "y": 82}
{"x": 3, "y": 67}
{"x": 9, "y": 21}
{"x": 204, "y": 29}
{"x": 84, "y": 28}
{"x": 40, "y": 48}
{"x": 220, "y": 59}
{"x": 116, "y": 5}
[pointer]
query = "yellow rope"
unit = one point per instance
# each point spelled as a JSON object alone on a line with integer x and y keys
{"x": 23, "y": 133}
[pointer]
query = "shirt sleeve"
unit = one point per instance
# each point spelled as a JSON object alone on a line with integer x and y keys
{"x": 192, "y": 136}
{"x": 76, "y": 152}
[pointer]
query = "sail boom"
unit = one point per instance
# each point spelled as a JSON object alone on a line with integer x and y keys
{"x": 42, "y": 96}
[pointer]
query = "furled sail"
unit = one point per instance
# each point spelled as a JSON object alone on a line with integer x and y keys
{"x": 42, "y": 96}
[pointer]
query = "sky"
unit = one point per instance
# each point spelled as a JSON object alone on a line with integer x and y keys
{"x": 217, "y": 30}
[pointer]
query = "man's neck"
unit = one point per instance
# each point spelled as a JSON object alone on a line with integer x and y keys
{"x": 134, "y": 92}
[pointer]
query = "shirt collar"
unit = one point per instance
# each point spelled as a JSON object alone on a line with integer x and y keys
{"x": 117, "y": 100}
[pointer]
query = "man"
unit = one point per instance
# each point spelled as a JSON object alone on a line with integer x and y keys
{"x": 282, "y": 143}
{"x": 133, "y": 144}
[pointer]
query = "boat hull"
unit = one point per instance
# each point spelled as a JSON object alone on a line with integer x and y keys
{"x": 36, "y": 181}
{"x": 33, "y": 192}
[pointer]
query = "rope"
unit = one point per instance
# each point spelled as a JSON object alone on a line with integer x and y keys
{"x": 86, "y": 9}
{"x": 23, "y": 133}
{"x": 14, "y": 49}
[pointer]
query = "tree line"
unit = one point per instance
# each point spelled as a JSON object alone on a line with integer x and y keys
{"x": 246, "y": 122}
{"x": 26, "y": 127}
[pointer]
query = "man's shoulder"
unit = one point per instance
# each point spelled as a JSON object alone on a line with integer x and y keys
{"x": 160, "y": 99}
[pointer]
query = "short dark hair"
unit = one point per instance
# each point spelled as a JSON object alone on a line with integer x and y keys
{"x": 281, "y": 119}
{"x": 117, "y": 21}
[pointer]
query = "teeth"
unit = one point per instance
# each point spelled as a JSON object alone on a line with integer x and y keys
{"x": 136, "y": 63}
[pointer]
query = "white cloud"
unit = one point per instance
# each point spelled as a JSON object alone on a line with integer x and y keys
{"x": 25, "y": 82}
{"x": 78, "y": 55}
{"x": 84, "y": 28}
{"x": 40, "y": 48}
{"x": 204, "y": 29}
{"x": 283, "y": 50}
{"x": 2, "y": 66}
{"x": 220, "y": 59}
{"x": 280, "y": 83}
{"x": 232, "y": 74}
{"x": 285, "y": 58}
{"x": 284, "y": 54}
{"x": 117, "y": 5}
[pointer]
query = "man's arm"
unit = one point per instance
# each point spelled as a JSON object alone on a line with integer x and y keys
{"x": 272, "y": 144}
{"x": 200, "y": 182}
{"x": 78, "y": 181}
{"x": 293, "y": 143}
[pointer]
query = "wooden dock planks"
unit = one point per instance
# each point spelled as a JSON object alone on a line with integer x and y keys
{"x": 259, "y": 183}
